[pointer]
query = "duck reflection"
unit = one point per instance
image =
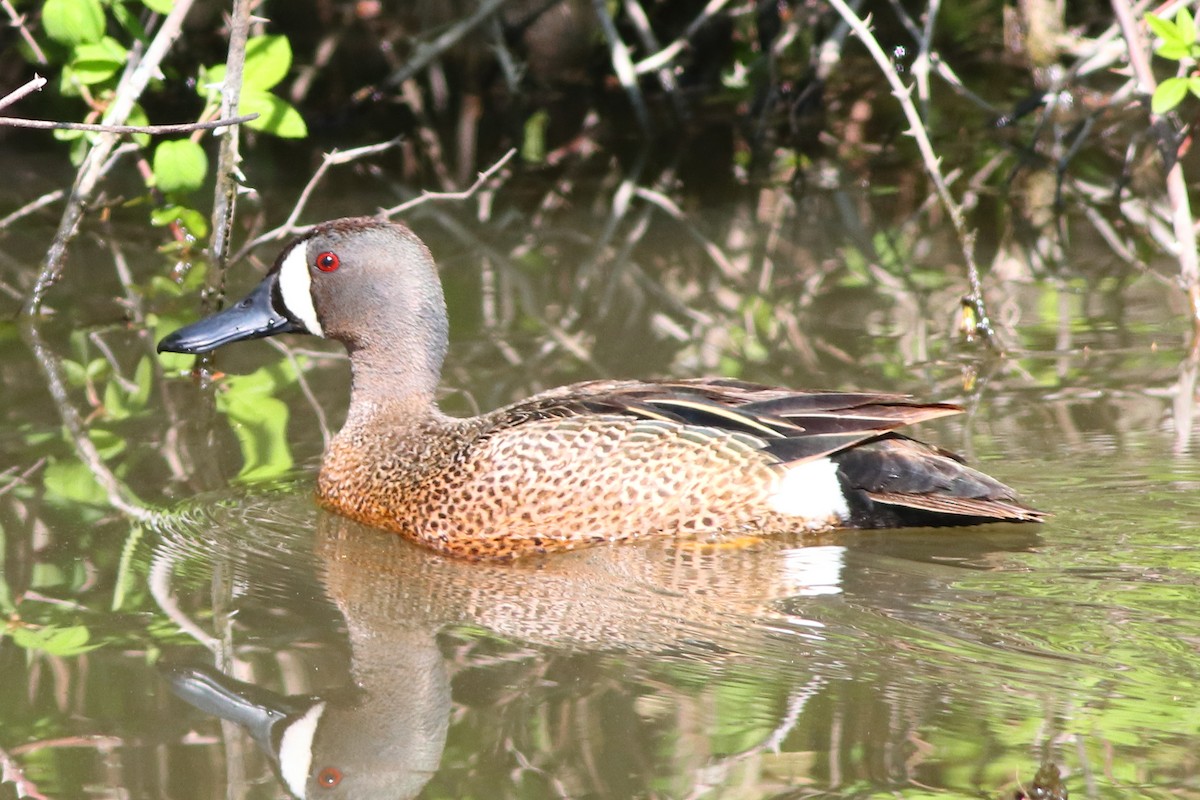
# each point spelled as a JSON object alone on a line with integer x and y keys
{"x": 711, "y": 609}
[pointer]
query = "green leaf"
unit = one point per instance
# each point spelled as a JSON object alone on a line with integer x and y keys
{"x": 128, "y": 21}
{"x": 276, "y": 116}
{"x": 1186, "y": 26}
{"x": 1168, "y": 95}
{"x": 1173, "y": 50}
{"x": 192, "y": 220}
{"x": 259, "y": 420}
{"x": 73, "y": 482}
{"x": 1194, "y": 85}
{"x": 268, "y": 59}
{"x": 159, "y": 6}
{"x": 1163, "y": 29}
{"x": 533, "y": 144}
{"x": 137, "y": 116}
{"x": 179, "y": 166}
{"x": 96, "y": 63}
{"x": 69, "y": 641}
{"x": 73, "y": 22}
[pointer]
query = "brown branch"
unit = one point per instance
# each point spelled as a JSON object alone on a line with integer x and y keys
{"x": 182, "y": 127}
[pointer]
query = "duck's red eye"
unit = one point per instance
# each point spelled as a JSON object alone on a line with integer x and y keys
{"x": 328, "y": 262}
{"x": 329, "y": 777}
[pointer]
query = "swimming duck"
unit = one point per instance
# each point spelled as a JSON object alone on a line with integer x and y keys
{"x": 592, "y": 462}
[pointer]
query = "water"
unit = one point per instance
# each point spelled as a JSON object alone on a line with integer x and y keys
{"x": 917, "y": 664}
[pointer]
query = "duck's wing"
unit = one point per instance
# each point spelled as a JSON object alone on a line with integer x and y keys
{"x": 794, "y": 426}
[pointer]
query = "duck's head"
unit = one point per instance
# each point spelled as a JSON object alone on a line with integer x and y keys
{"x": 368, "y": 283}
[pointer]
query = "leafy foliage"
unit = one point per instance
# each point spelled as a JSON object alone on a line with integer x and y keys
{"x": 1178, "y": 44}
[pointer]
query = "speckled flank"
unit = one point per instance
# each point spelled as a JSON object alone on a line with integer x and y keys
{"x": 555, "y": 484}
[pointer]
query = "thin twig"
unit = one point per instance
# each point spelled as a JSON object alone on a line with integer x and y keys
{"x": 903, "y": 94}
{"x": 181, "y": 127}
{"x": 34, "y": 84}
{"x": 133, "y": 82}
{"x": 668, "y": 53}
{"x": 29, "y": 208}
{"x": 427, "y": 197}
{"x": 18, "y": 22}
{"x": 12, "y": 481}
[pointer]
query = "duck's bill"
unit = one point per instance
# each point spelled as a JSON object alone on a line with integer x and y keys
{"x": 256, "y": 316}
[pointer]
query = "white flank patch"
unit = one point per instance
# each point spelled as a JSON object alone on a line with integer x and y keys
{"x": 295, "y": 750}
{"x": 295, "y": 286}
{"x": 810, "y": 490}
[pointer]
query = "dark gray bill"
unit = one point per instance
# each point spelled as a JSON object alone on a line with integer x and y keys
{"x": 253, "y": 318}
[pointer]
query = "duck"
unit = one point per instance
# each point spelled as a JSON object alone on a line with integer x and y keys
{"x": 588, "y": 463}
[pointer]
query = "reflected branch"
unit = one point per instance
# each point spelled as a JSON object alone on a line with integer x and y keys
{"x": 11, "y": 773}
{"x": 118, "y": 495}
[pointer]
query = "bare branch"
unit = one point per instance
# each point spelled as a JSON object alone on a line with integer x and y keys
{"x": 11, "y": 772}
{"x": 29, "y": 208}
{"x": 34, "y": 84}
{"x": 427, "y": 197}
{"x": 225, "y": 192}
{"x": 118, "y": 495}
{"x": 182, "y": 127}
{"x": 428, "y": 52}
{"x": 668, "y": 53}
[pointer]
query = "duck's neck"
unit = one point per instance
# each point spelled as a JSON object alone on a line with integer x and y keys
{"x": 395, "y": 372}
